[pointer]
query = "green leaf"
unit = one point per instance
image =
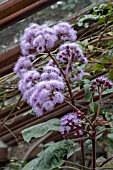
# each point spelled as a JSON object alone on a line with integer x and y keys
{"x": 110, "y": 74}
{"x": 107, "y": 91}
{"x": 108, "y": 165}
{"x": 85, "y": 42}
{"x": 98, "y": 67}
{"x": 41, "y": 129}
{"x": 100, "y": 159}
{"x": 90, "y": 47}
{"x": 110, "y": 136}
{"x": 51, "y": 157}
{"x": 110, "y": 44}
{"x": 74, "y": 150}
{"x": 87, "y": 92}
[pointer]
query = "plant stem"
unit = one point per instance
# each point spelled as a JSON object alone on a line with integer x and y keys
{"x": 75, "y": 164}
{"x": 99, "y": 105}
{"x": 94, "y": 150}
{"x": 80, "y": 111}
{"x": 82, "y": 152}
{"x": 66, "y": 80}
{"x": 68, "y": 167}
{"x": 107, "y": 160}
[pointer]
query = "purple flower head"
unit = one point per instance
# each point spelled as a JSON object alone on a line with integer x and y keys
{"x": 39, "y": 42}
{"x": 31, "y": 57}
{"x": 25, "y": 47}
{"x": 70, "y": 123}
{"x": 34, "y": 26}
{"x": 48, "y": 105}
{"x": 22, "y": 65}
{"x": 49, "y": 69}
{"x": 44, "y": 94}
{"x": 50, "y": 37}
{"x": 72, "y": 52}
{"x": 44, "y": 76}
{"x": 65, "y": 32}
{"x": 58, "y": 97}
{"x": 56, "y": 84}
{"x": 31, "y": 76}
{"x": 38, "y": 111}
{"x": 101, "y": 83}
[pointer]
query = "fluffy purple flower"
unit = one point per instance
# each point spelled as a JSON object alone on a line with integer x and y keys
{"x": 72, "y": 52}
{"x": 65, "y": 32}
{"x": 44, "y": 76}
{"x": 70, "y": 123}
{"x": 31, "y": 57}
{"x": 58, "y": 97}
{"x": 48, "y": 105}
{"x": 56, "y": 84}
{"x": 23, "y": 64}
{"x": 38, "y": 111}
{"x": 31, "y": 76}
{"x": 49, "y": 69}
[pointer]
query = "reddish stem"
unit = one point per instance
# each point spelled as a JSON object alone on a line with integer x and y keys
{"x": 99, "y": 105}
{"x": 75, "y": 108}
{"x": 66, "y": 80}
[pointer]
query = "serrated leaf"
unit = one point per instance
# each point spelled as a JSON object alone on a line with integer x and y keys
{"x": 51, "y": 157}
{"x": 41, "y": 129}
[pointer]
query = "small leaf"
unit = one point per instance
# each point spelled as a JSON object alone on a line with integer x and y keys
{"x": 85, "y": 42}
{"x": 98, "y": 67}
{"x": 41, "y": 129}
{"x": 110, "y": 136}
{"x": 87, "y": 92}
{"x": 90, "y": 47}
{"x": 100, "y": 159}
{"x": 110, "y": 74}
{"x": 110, "y": 44}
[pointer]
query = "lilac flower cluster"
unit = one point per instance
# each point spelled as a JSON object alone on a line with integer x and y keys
{"x": 101, "y": 83}
{"x": 42, "y": 90}
{"x": 71, "y": 123}
{"x": 65, "y": 32}
{"x": 71, "y": 53}
{"x": 40, "y": 37}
